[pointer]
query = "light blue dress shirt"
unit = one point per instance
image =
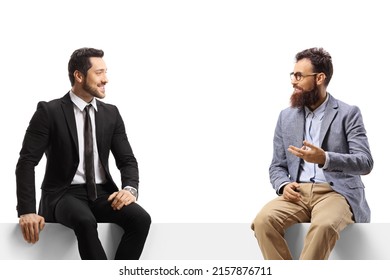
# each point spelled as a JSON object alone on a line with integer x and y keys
{"x": 311, "y": 172}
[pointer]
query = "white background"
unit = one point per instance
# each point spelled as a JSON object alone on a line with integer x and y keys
{"x": 199, "y": 85}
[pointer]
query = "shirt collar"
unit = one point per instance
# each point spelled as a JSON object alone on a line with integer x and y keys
{"x": 81, "y": 103}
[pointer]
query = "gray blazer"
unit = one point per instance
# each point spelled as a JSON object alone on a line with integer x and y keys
{"x": 343, "y": 136}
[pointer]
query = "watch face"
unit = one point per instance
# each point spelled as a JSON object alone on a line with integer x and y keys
{"x": 133, "y": 192}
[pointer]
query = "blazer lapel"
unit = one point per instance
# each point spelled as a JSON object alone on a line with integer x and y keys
{"x": 296, "y": 133}
{"x": 99, "y": 124}
{"x": 67, "y": 108}
{"x": 298, "y": 128}
{"x": 330, "y": 113}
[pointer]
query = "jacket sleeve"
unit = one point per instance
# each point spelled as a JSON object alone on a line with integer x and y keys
{"x": 33, "y": 147}
{"x": 278, "y": 170}
{"x": 357, "y": 160}
{"x": 123, "y": 154}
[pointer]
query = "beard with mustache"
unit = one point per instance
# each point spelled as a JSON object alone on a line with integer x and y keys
{"x": 92, "y": 90}
{"x": 305, "y": 98}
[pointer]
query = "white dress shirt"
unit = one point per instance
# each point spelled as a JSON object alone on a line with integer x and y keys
{"x": 78, "y": 107}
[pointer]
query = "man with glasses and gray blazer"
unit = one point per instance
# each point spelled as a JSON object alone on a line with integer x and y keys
{"x": 320, "y": 152}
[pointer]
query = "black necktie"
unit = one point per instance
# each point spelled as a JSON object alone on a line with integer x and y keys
{"x": 88, "y": 156}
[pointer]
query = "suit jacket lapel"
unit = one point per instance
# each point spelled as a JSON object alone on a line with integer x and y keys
{"x": 298, "y": 128}
{"x": 330, "y": 113}
{"x": 67, "y": 107}
{"x": 99, "y": 124}
{"x": 297, "y": 131}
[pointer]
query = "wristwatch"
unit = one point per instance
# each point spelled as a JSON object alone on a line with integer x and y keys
{"x": 132, "y": 190}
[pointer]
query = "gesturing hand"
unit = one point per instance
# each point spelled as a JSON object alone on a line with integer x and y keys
{"x": 309, "y": 153}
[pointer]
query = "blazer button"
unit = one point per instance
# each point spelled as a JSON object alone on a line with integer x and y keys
{"x": 331, "y": 183}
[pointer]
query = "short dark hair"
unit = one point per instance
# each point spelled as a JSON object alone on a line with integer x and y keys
{"x": 321, "y": 61}
{"x": 79, "y": 60}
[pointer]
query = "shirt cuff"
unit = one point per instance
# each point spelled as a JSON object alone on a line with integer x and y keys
{"x": 326, "y": 164}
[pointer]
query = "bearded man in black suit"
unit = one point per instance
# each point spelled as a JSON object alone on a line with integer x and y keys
{"x": 69, "y": 195}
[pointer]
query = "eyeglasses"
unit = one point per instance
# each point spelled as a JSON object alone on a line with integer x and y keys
{"x": 298, "y": 76}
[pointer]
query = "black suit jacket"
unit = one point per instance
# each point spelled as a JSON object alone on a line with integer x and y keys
{"x": 52, "y": 130}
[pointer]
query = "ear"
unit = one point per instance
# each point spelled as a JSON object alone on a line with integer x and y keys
{"x": 79, "y": 77}
{"x": 320, "y": 79}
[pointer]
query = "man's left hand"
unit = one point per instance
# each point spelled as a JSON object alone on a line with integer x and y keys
{"x": 121, "y": 198}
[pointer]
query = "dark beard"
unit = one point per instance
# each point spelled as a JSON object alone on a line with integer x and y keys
{"x": 92, "y": 91}
{"x": 305, "y": 98}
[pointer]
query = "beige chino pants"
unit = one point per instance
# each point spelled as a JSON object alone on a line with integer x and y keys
{"x": 327, "y": 211}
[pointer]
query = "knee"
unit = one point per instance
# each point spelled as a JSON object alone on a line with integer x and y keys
{"x": 325, "y": 227}
{"x": 263, "y": 220}
{"x": 144, "y": 220}
{"x": 141, "y": 221}
{"x": 86, "y": 222}
{"x": 85, "y": 225}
